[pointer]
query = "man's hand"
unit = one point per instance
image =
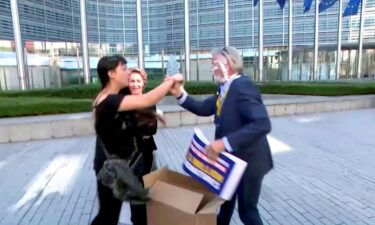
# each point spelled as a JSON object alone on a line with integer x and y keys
{"x": 214, "y": 149}
{"x": 177, "y": 89}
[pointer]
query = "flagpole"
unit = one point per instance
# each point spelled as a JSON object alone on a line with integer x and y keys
{"x": 359, "y": 69}
{"x": 187, "y": 39}
{"x": 141, "y": 63}
{"x": 226, "y": 22}
{"x": 290, "y": 34}
{"x": 85, "y": 46}
{"x": 339, "y": 30}
{"x": 316, "y": 41}
{"x": 260, "y": 33}
{"x": 20, "y": 56}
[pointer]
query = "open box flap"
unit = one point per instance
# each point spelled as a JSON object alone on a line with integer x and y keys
{"x": 176, "y": 197}
{"x": 175, "y": 178}
{"x": 151, "y": 178}
{"x": 211, "y": 206}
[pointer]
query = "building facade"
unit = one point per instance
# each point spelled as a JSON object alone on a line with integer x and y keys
{"x": 52, "y": 27}
{"x": 113, "y": 22}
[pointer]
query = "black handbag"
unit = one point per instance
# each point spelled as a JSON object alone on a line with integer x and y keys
{"x": 121, "y": 176}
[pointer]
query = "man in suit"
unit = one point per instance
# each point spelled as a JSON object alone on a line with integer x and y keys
{"x": 242, "y": 124}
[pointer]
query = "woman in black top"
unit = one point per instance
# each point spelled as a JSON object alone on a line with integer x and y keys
{"x": 113, "y": 125}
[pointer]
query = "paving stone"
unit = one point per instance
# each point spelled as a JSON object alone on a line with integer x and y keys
{"x": 324, "y": 178}
{"x": 62, "y": 129}
{"x": 300, "y": 108}
{"x": 280, "y": 110}
{"x": 41, "y": 131}
{"x": 290, "y": 109}
{"x": 188, "y": 118}
{"x": 204, "y": 119}
{"x": 83, "y": 127}
{"x": 4, "y": 134}
{"x": 173, "y": 119}
{"x": 270, "y": 110}
{"x": 19, "y": 133}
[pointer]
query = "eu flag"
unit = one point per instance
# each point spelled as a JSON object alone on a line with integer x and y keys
{"x": 352, "y": 8}
{"x": 307, "y": 5}
{"x": 281, "y": 3}
{"x": 325, "y": 4}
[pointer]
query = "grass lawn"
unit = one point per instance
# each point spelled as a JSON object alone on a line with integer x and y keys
{"x": 78, "y": 98}
{"x": 318, "y": 88}
{"x": 27, "y": 106}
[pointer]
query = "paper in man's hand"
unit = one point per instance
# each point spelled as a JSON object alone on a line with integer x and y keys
{"x": 173, "y": 66}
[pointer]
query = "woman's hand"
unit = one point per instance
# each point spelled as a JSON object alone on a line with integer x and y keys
{"x": 177, "y": 78}
{"x": 160, "y": 116}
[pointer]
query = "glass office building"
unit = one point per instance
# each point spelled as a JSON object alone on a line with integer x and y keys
{"x": 51, "y": 32}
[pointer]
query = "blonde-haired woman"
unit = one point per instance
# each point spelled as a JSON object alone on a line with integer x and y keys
{"x": 145, "y": 123}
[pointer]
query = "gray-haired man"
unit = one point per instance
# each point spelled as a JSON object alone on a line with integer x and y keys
{"x": 242, "y": 124}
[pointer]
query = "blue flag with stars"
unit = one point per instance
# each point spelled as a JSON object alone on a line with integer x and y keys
{"x": 352, "y": 8}
{"x": 325, "y": 4}
{"x": 307, "y": 5}
{"x": 281, "y": 3}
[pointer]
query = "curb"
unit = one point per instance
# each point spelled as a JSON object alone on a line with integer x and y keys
{"x": 81, "y": 124}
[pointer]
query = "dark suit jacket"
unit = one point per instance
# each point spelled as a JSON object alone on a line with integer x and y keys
{"x": 243, "y": 120}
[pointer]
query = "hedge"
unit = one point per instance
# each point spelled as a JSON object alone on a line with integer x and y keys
{"x": 196, "y": 88}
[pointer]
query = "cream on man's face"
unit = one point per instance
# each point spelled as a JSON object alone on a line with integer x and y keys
{"x": 219, "y": 68}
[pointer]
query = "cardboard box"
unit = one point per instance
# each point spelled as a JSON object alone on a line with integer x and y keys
{"x": 177, "y": 199}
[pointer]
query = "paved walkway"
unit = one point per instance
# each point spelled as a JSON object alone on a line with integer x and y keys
{"x": 324, "y": 173}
